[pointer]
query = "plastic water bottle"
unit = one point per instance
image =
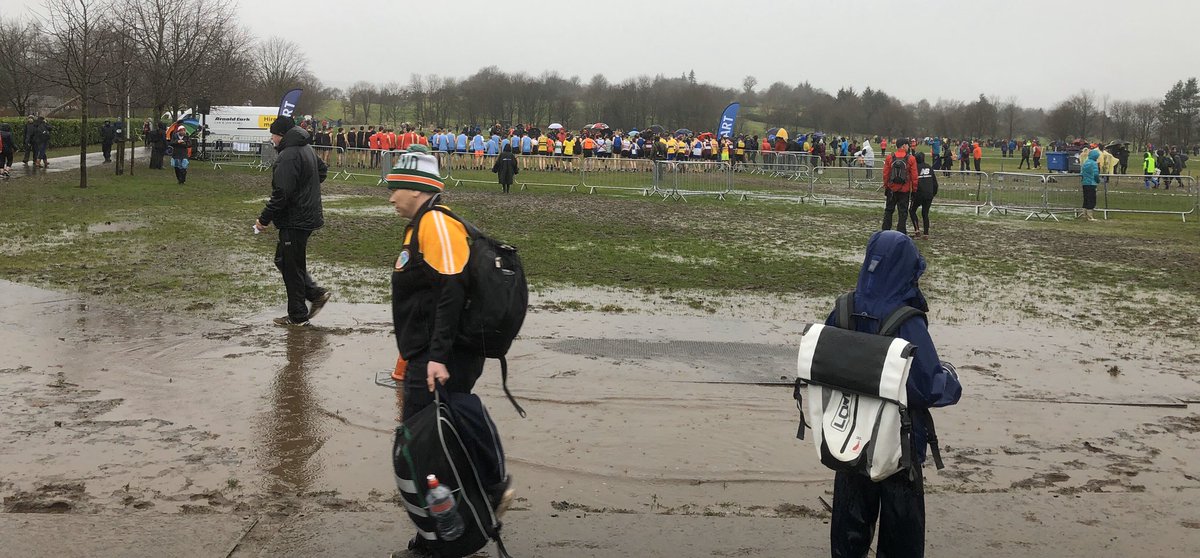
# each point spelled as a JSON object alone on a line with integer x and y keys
{"x": 444, "y": 509}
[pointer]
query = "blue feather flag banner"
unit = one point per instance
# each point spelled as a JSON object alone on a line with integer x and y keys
{"x": 725, "y": 127}
{"x": 287, "y": 105}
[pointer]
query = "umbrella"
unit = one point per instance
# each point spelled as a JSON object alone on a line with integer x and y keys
{"x": 599, "y": 126}
{"x": 1115, "y": 143}
{"x": 555, "y": 126}
{"x": 781, "y": 133}
{"x": 771, "y": 133}
{"x": 655, "y": 129}
{"x": 683, "y": 132}
{"x": 705, "y": 135}
{"x": 633, "y": 133}
{"x": 189, "y": 124}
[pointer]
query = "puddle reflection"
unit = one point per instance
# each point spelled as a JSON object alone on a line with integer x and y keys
{"x": 292, "y": 431}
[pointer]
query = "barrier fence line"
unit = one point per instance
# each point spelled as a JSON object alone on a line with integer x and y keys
{"x": 636, "y": 175}
{"x": 780, "y": 176}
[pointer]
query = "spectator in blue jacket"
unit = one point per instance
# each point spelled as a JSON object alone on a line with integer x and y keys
{"x": 888, "y": 279}
{"x": 1089, "y": 175}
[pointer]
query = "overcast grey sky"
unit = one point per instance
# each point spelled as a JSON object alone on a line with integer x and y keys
{"x": 1039, "y": 51}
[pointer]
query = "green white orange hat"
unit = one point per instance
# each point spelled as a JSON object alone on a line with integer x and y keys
{"x": 415, "y": 170}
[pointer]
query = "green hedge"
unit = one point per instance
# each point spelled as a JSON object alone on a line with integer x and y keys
{"x": 64, "y": 132}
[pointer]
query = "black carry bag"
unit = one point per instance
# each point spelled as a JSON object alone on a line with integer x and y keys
{"x": 435, "y": 441}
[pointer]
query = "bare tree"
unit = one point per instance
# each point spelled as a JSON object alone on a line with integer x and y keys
{"x": 71, "y": 43}
{"x": 1145, "y": 120}
{"x": 1122, "y": 118}
{"x": 279, "y": 65}
{"x": 177, "y": 38}
{"x": 1008, "y": 113}
{"x": 1084, "y": 106}
{"x": 17, "y": 85}
{"x": 748, "y": 84}
{"x": 365, "y": 94}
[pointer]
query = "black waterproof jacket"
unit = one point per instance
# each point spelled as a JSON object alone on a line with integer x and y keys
{"x": 108, "y": 133}
{"x": 296, "y": 179}
{"x": 505, "y": 168}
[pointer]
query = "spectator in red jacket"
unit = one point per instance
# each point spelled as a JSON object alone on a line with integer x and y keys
{"x": 899, "y": 182}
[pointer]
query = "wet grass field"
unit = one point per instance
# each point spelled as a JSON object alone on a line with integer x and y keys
{"x": 146, "y": 240}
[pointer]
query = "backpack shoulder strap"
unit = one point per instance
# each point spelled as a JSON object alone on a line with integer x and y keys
{"x": 504, "y": 384}
{"x": 891, "y": 324}
{"x": 843, "y": 310}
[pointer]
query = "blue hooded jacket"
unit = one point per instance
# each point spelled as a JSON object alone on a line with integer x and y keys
{"x": 1089, "y": 173}
{"x": 887, "y": 280}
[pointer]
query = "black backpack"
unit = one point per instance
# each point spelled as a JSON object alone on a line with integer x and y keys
{"x": 439, "y": 440}
{"x": 899, "y": 170}
{"x": 497, "y": 296}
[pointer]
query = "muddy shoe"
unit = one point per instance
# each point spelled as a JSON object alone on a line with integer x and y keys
{"x": 417, "y": 546}
{"x": 318, "y": 304}
{"x": 289, "y": 322}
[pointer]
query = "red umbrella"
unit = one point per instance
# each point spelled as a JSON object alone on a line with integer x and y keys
{"x": 705, "y": 135}
{"x": 599, "y": 126}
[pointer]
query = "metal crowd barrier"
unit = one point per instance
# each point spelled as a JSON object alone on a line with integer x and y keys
{"x": 258, "y": 156}
{"x": 1021, "y": 192}
{"x": 1047, "y": 195}
{"x": 679, "y": 179}
{"x": 619, "y": 174}
{"x": 1126, "y": 193}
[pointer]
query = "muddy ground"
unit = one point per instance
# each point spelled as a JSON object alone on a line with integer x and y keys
{"x": 134, "y": 433}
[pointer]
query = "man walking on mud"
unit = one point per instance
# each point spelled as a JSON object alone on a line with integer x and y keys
{"x": 429, "y": 295}
{"x": 295, "y": 208}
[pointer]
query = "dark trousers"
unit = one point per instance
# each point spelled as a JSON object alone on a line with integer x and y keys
{"x": 39, "y": 151}
{"x": 291, "y": 258}
{"x": 1037, "y": 162}
{"x": 1024, "y": 161}
{"x": 896, "y": 201}
{"x": 28, "y": 151}
{"x": 107, "y": 147}
{"x": 465, "y": 369}
{"x": 977, "y": 161}
{"x": 1089, "y": 197}
{"x": 897, "y": 503}
{"x": 964, "y": 164}
{"x": 924, "y": 204}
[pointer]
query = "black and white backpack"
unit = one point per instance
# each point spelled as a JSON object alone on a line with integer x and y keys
{"x": 856, "y": 386}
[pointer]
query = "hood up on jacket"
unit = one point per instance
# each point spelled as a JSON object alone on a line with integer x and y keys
{"x": 889, "y": 275}
{"x": 295, "y": 137}
{"x": 1094, "y": 155}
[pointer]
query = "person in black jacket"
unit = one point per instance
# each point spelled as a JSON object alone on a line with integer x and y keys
{"x": 41, "y": 141}
{"x": 108, "y": 133}
{"x": 429, "y": 295}
{"x": 927, "y": 188}
{"x": 7, "y": 148}
{"x": 180, "y": 145}
{"x": 158, "y": 145}
{"x": 27, "y": 143}
{"x": 506, "y": 168}
{"x": 295, "y": 209}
